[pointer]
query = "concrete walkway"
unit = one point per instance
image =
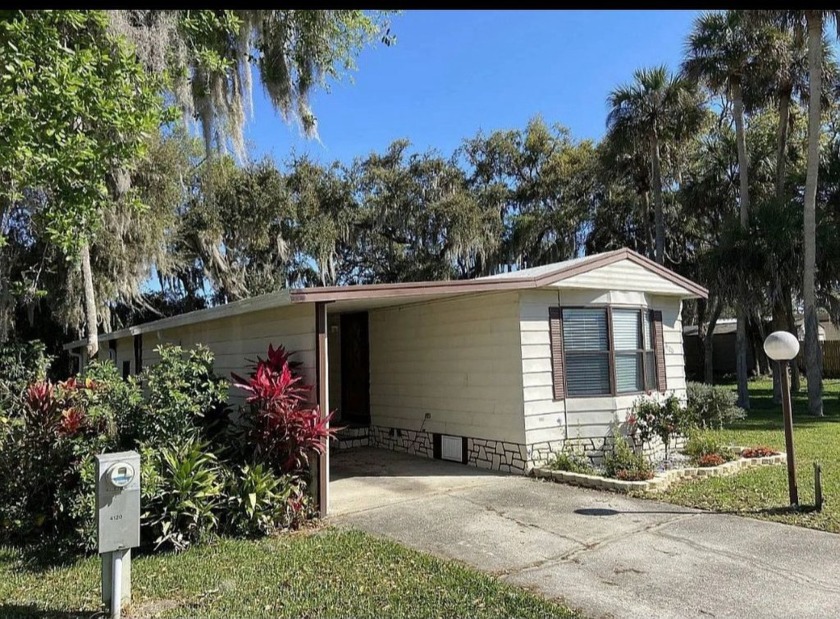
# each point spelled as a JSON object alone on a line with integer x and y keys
{"x": 606, "y": 554}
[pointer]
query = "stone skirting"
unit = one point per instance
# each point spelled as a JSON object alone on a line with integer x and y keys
{"x": 662, "y": 480}
{"x": 399, "y": 439}
{"x": 594, "y": 449}
{"x": 350, "y": 437}
{"x": 496, "y": 455}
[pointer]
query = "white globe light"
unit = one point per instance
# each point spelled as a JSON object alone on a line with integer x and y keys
{"x": 781, "y": 346}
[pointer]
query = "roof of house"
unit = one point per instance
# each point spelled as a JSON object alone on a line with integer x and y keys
{"x": 535, "y": 277}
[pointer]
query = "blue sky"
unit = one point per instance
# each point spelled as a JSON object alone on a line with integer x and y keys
{"x": 452, "y": 73}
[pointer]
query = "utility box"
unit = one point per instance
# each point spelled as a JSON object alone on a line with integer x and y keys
{"x": 118, "y": 501}
{"x": 117, "y": 523}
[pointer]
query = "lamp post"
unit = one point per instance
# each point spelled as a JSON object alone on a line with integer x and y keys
{"x": 782, "y": 346}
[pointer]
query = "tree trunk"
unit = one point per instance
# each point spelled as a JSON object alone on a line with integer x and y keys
{"x": 709, "y": 346}
{"x": 813, "y": 354}
{"x": 741, "y": 369}
{"x": 781, "y": 143}
{"x": 779, "y": 324}
{"x": 657, "y": 200}
{"x": 795, "y": 384}
{"x": 90, "y": 303}
{"x": 779, "y": 306}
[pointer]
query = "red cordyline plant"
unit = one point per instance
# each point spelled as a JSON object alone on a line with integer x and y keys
{"x": 50, "y": 407}
{"x": 282, "y": 425}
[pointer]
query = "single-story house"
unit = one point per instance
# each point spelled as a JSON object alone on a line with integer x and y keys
{"x": 496, "y": 372}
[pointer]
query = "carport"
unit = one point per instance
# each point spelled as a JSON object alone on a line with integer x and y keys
{"x": 368, "y": 478}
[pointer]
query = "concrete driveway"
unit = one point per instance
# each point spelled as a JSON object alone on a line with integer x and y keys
{"x": 606, "y": 554}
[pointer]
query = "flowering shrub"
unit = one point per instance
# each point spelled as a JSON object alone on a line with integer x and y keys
{"x": 625, "y": 464}
{"x": 706, "y": 447}
{"x": 651, "y": 417}
{"x": 761, "y": 451}
{"x": 280, "y": 424}
{"x": 712, "y": 459}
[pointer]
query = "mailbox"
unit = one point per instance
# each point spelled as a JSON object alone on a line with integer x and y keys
{"x": 118, "y": 501}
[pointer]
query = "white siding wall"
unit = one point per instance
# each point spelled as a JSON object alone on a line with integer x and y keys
{"x": 632, "y": 277}
{"x": 550, "y": 420}
{"x": 457, "y": 360}
{"x": 236, "y": 339}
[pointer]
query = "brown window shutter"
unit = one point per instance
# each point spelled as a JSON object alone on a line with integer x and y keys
{"x": 555, "y": 323}
{"x": 138, "y": 353}
{"x": 659, "y": 349}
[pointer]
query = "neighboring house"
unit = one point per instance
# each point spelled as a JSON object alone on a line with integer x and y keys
{"x": 724, "y": 346}
{"x": 495, "y": 372}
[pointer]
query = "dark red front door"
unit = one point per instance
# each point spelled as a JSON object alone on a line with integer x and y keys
{"x": 355, "y": 368}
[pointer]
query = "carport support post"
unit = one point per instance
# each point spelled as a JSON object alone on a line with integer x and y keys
{"x": 322, "y": 394}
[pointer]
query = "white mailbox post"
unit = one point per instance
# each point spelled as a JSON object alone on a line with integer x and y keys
{"x": 117, "y": 523}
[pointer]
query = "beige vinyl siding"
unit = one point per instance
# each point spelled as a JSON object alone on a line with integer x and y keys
{"x": 236, "y": 340}
{"x": 584, "y": 417}
{"x": 631, "y": 276}
{"x": 457, "y": 360}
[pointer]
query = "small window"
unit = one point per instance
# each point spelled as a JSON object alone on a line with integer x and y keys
{"x": 126, "y": 370}
{"x": 586, "y": 346}
{"x": 606, "y": 351}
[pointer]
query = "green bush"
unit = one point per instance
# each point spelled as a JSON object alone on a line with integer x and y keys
{"x": 700, "y": 445}
{"x": 572, "y": 461}
{"x": 183, "y": 397}
{"x": 624, "y": 463}
{"x": 47, "y": 457}
{"x": 185, "y": 492}
{"x": 651, "y": 417}
{"x": 712, "y": 407}
{"x": 21, "y": 364}
{"x": 259, "y": 502}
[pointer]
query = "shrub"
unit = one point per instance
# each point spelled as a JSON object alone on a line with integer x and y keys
{"x": 701, "y": 445}
{"x": 183, "y": 496}
{"x": 707, "y": 460}
{"x": 21, "y": 364}
{"x": 278, "y": 422}
{"x": 572, "y": 461}
{"x": 183, "y": 395}
{"x": 651, "y": 417}
{"x": 624, "y": 463}
{"x": 47, "y": 457}
{"x": 761, "y": 451}
{"x": 259, "y": 502}
{"x": 712, "y": 407}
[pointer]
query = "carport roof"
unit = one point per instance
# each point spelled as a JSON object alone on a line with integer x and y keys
{"x": 386, "y": 294}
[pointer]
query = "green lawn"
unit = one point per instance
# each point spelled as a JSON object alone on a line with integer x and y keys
{"x": 763, "y": 492}
{"x": 322, "y": 574}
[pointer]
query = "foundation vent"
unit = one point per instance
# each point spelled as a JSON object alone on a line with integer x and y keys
{"x": 451, "y": 448}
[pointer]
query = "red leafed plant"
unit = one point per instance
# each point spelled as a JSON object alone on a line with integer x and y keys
{"x": 712, "y": 459}
{"x": 761, "y": 451}
{"x": 282, "y": 425}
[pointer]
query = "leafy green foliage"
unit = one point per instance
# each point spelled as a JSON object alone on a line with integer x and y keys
{"x": 622, "y": 462}
{"x": 47, "y": 453}
{"x": 653, "y": 416}
{"x": 573, "y": 461}
{"x": 712, "y": 406}
{"x": 20, "y": 365}
{"x": 183, "y": 396}
{"x": 701, "y": 445}
{"x": 259, "y": 502}
{"x": 187, "y": 493}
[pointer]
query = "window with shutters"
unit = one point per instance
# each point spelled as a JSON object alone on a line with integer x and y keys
{"x": 586, "y": 348}
{"x": 603, "y": 351}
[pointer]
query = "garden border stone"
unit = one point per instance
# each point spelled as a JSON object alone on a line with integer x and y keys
{"x": 661, "y": 480}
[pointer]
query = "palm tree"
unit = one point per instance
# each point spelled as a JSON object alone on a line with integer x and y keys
{"x": 721, "y": 51}
{"x": 654, "y": 111}
{"x": 809, "y": 26}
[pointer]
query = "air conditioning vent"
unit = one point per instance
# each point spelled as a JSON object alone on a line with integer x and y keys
{"x": 451, "y": 448}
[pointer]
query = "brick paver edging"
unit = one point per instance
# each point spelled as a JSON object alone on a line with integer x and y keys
{"x": 662, "y": 480}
